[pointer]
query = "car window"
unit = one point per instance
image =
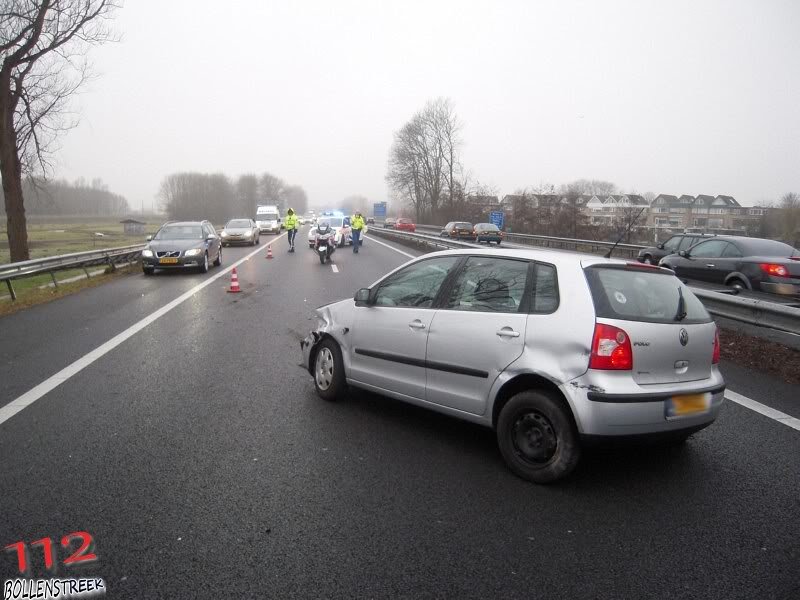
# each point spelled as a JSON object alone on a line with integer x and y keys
{"x": 672, "y": 243}
{"x": 545, "y": 289}
{"x": 709, "y": 249}
{"x": 731, "y": 251}
{"x": 180, "y": 232}
{"x": 239, "y": 224}
{"x": 687, "y": 242}
{"x": 417, "y": 285}
{"x": 636, "y": 294}
{"x": 489, "y": 284}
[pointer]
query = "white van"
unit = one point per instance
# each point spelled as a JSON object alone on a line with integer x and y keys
{"x": 268, "y": 218}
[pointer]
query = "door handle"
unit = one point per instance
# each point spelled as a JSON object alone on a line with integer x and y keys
{"x": 508, "y": 332}
{"x": 710, "y": 265}
{"x": 417, "y": 324}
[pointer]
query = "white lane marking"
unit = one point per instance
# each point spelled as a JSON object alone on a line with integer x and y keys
{"x": 372, "y": 239}
{"x": 49, "y": 384}
{"x": 763, "y": 409}
{"x": 335, "y": 268}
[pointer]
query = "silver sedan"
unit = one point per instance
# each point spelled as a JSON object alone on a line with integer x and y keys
{"x": 552, "y": 350}
{"x": 241, "y": 231}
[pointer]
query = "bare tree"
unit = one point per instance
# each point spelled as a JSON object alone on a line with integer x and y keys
{"x": 424, "y": 159}
{"x": 271, "y": 190}
{"x": 43, "y": 45}
{"x": 247, "y": 194}
{"x": 790, "y": 216}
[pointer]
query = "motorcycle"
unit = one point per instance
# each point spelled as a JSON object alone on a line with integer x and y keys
{"x": 325, "y": 245}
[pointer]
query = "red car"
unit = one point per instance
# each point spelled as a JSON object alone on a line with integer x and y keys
{"x": 405, "y": 225}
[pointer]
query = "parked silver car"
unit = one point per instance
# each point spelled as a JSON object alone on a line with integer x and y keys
{"x": 550, "y": 349}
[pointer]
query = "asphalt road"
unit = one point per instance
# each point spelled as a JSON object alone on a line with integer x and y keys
{"x": 198, "y": 456}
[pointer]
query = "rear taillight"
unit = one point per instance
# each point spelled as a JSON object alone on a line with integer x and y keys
{"x": 715, "y": 356}
{"x": 774, "y": 270}
{"x": 611, "y": 349}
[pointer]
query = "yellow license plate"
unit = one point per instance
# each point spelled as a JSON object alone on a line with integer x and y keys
{"x": 687, "y": 405}
{"x": 168, "y": 261}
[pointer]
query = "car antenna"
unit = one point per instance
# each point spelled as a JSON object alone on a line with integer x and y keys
{"x": 627, "y": 231}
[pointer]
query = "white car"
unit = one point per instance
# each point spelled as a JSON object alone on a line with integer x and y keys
{"x": 341, "y": 230}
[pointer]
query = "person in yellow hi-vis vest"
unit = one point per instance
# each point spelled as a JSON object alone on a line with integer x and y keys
{"x": 291, "y": 227}
{"x": 357, "y": 226}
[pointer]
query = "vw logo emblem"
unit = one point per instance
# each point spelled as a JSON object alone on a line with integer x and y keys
{"x": 683, "y": 337}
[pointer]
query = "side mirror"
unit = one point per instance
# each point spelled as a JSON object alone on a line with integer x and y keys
{"x": 362, "y": 297}
{"x": 211, "y": 238}
{"x": 148, "y": 238}
{"x": 660, "y": 246}
{"x": 684, "y": 253}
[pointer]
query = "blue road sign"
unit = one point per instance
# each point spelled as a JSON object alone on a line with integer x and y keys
{"x": 379, "y": 210}
{"x": 497, "y": 218}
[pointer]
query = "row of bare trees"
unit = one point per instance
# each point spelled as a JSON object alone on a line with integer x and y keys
{"x": 216, "y": 197}
{"x": 62, "y": 198}
{"x": 43, "y": 62}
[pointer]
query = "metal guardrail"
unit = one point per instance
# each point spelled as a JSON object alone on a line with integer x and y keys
{"x": 110, "y": 257}
{"x": 762, "y": 313}
{"x": 562, "y": 243}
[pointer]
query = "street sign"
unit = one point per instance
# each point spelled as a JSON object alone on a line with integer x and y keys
{"x": 496, "y": 217}
{"x": 379, "y": 210}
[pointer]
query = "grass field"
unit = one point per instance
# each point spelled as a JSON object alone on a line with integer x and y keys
{"x": 59, "y": 237}
{"x": 63, "y": 236}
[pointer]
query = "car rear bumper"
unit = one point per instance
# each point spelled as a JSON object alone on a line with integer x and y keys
{"x": 489, "y": 238}
{"x": 784, "y": 289}
{"x": 642, "y": 410}
{"x": 276, "y": 229}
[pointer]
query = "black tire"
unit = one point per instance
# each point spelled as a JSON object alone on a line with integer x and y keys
{"x": 148, "y": 271}
{"x": 322, "y": 258}
{"x": 498, "y": 242}
{"x": 218, "y": 262}
{"x": 537, "y": 437}
{"x": 647, "y": 259}
{"x": 737, "y": 284}
{"x": 328, "y": 371}
{"x": 258, "y": 239}
{"x": 203, "y": 268}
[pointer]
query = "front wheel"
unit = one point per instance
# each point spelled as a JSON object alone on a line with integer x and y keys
{"x": 322, "y": 258}
{"x": 218, "y": 262}
{"x": 203, "y": 268}
{"x": 148, "y": 271}
{"x": 329, "y": 378}
{"x": 498, "y": 242}
{"x": 648, "y": 260}
{"x": 537, "y": 437}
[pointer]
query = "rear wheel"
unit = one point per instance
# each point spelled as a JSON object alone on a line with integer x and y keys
{"x": 537, "y": 437}
{"x": 498, "y": 242}
{"x": 737, "y": 284}
{"x": 329, "y": 371}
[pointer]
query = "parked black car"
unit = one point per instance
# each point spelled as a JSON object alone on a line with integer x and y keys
{"x": 740, "y": 262}
{"x": 181, "y": 245}
{"x": 681, "y": 241}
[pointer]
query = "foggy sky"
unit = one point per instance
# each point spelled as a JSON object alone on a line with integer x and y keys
{"x": 671, "y": 97}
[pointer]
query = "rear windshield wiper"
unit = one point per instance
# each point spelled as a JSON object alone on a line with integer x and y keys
{"x": 681, "y": 314}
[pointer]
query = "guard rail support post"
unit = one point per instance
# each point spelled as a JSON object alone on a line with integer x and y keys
{"x": 53, "y": 277}
{"x": 111, "y": 264}
{"x": 11, "y": 291}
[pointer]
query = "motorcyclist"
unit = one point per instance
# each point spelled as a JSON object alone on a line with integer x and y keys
{"x": 291, "y": 227}
{"x": 324, "y": 231}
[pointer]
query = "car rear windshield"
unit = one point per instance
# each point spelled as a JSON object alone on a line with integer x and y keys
{"x": 643, "y": 294}
{"x": 759, "y": 247}
{"x": 486, "y": 227}
{"x": 238, "y": 224}
{"x": 463, "y": 225}
{"x": 180, "y": 232}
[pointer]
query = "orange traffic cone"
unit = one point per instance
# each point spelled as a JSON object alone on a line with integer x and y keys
{"x": 234, "y": 289}
{"x": 269, "y": 251}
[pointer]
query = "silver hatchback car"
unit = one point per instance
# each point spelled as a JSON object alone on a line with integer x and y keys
{"x": 551, "y": 349}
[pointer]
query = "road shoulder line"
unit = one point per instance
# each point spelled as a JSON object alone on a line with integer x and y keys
{"x": 763, "y": 409}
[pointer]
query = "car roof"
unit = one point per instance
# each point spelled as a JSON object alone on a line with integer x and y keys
{"x": 183, "y": 223}
{"x": 556, "y": 257}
